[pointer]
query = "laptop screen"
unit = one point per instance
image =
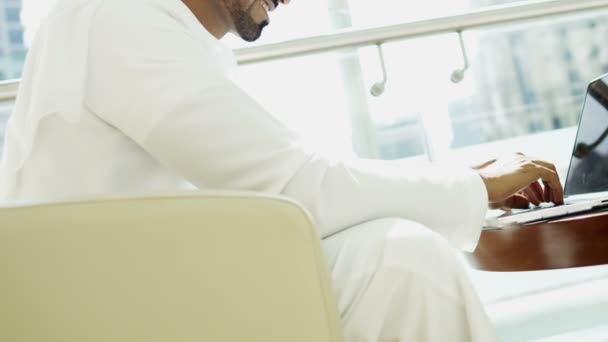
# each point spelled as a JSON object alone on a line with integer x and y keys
{"x": 588, "y": 171}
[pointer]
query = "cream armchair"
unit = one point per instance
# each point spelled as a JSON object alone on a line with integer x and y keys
{"x": 197, "y": 267}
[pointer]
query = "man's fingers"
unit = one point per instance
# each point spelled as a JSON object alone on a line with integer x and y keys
{"x": 545, "y": 164}
{"x": 532, "y": 195}
{"x": 484, "y": 164}
{"x": 552, "y": 191}
{"x": 517, "y": 202}
{"x": 514, "y": 202}
{"x": 536, "y": 180}
{"x": 551, "y": 180}
{"x": 547, "y": 192}
{"x": 538, "y": 191}
{"x": 555, "y": 192}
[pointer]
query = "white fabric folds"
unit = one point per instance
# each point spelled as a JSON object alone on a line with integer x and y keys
{"x": 53, "y": 83}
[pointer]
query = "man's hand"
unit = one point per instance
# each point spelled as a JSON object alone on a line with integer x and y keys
{"x": 518, "y": 180}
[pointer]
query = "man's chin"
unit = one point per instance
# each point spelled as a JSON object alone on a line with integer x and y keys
{"x": 252, "y": 33}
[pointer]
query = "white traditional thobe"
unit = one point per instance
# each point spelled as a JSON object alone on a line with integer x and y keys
{"x": 134, "y": 96}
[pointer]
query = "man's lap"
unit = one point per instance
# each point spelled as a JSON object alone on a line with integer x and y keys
{"x": 397, "y": 280}
{"x": 391, "y": 243}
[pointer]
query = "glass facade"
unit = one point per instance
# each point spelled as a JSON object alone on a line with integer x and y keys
{"x": 523, "y": 79}
{"x": 13, "y": 15}
{"x": 12, "y": 49}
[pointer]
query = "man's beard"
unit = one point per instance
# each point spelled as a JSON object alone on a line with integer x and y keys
{"x": 244, "y": 24}
{"x": 249, "y": 30}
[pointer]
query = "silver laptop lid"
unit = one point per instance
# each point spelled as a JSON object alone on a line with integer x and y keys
{"x": 588, "y": 170}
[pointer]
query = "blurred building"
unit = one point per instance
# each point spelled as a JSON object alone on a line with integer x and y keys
{"x": 530, "y": 77}
{"x": 526, "y": 78}
{"x": 12, "y": 50}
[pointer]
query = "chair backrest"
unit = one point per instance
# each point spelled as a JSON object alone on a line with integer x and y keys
{"x": 201, "y": 267}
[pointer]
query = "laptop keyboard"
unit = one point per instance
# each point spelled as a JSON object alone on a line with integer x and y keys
{"x": 534, "y": 208}
{"x": 537, "y": 213}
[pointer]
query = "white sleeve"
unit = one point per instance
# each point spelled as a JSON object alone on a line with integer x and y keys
{"x": 215, "y": 135}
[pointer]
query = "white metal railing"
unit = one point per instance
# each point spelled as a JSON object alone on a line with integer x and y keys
{"x": 8, "y": 90}
{"x": 488, "y": 16}
{"x": 484, "y": 17}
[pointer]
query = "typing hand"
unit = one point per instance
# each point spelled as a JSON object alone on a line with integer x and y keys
{"x": 516, "y": 181}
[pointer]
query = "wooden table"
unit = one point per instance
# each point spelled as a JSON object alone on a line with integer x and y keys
{"x": 568, "y": 242}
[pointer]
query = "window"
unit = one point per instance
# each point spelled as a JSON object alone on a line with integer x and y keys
{"x": 11, "y": 39}
{"x": 15, "y": 37}
{"x": 18, "y": 55}
{"x": 523, "y": 79}
{"x": 13, "y": 15}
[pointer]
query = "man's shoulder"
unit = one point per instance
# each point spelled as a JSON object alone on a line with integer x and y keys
{"x": 120, "y": 16}
{"x": 119, "y": 10}
{"x": 135, "y": 9}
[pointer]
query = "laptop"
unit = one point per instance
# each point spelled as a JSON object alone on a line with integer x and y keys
{"x": 586, "y": 186}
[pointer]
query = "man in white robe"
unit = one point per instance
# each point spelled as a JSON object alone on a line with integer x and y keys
{"x": 135, "y": 96}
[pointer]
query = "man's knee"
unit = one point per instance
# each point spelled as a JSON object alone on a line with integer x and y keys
{"x": 412, "y": 248}
{"x": 404, "y": 276}
{"x": 397, "y": 246}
